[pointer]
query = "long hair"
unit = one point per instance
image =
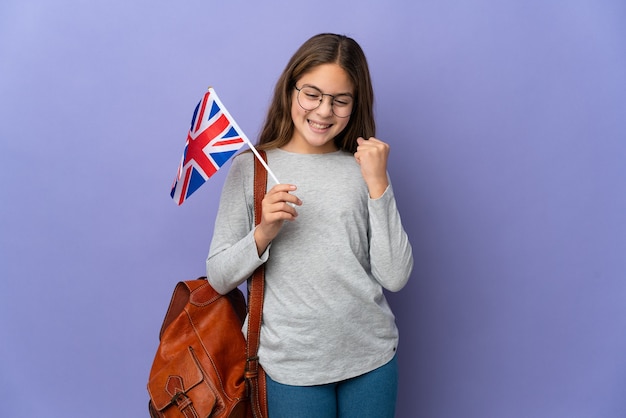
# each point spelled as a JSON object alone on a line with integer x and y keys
{"x": 325, "y": 48}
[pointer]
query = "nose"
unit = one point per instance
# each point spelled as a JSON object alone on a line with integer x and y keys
{"x": 326, "y": 106}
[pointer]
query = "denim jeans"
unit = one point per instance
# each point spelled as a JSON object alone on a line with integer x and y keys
{"x": 370, "y": 395}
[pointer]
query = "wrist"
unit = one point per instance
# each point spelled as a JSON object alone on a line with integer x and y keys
{"x": 377, "y": 189}
{"x": 261, "y": 241}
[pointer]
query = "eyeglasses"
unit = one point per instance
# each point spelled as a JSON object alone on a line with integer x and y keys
{"x": 310, "y": 98}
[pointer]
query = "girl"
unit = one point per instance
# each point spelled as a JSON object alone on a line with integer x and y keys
{"x": 330, "y": 237}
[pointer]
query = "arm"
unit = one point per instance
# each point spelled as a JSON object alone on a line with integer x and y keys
{"x": 233, "y": 254}
{"x": 391, "y": 255}
{"x": 238, "y": 247}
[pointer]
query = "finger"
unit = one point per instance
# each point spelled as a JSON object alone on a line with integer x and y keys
{"x": 283, "y": 188}
{"x": 285, "y": 210}
{"x": 278, "y": 212}
{"x": 278, "y": 197}
{"x": 372, "y": 143}
{"x": 374, "y": 147}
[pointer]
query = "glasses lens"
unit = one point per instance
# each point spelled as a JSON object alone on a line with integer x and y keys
{"x": 342, "y": 105}
{"x": 309, "y": 98}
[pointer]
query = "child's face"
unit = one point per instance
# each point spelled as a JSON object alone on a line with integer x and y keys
{"x": 315, "y": 129}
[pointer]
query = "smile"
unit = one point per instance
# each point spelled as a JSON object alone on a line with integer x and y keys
{"x": 316, "y": 125}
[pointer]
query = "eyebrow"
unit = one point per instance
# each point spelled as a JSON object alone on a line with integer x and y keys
{"x": 334, "y": 95}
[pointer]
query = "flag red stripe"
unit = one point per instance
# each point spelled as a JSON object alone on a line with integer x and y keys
{"x": 183, "y": 192}
{"x": 201, "y": 115}
{"x": 215, "y": 129}
{"x": 228, "y": 142}
{"x": 196, "y": 146}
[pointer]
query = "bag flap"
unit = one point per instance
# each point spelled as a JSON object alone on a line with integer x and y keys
{"x": 180, "y": 297}
{"x": 180, "y": 375}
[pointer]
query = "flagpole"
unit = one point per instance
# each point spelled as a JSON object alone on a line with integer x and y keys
{"x": 243, "y": 135}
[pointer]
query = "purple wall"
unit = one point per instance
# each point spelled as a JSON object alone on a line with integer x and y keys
{"x": 506, "y": 121}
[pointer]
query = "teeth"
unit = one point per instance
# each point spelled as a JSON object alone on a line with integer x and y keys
{"x": 318, "y": 125}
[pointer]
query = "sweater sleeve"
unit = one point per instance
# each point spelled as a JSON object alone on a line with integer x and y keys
{"x": 233, "y": 254}
{"x": 391, "y": 255}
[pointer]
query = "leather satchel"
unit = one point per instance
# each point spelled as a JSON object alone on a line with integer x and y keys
{"x": 204, "y": 367}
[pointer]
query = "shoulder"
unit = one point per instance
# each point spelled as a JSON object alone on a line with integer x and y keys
{"x": 244, "y": 157}
{"x": 240, "y": 173}
{"x": 342, "y": 162}
{"x": 243, "y": 164}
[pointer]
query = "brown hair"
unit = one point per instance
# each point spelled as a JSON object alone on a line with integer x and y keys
{"x": 321, "y": 49}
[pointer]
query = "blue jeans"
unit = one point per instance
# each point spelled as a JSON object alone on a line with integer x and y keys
{"x": 370, "y": 395}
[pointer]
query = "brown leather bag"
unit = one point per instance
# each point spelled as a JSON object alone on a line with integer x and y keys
{"x": 204, "y": 367}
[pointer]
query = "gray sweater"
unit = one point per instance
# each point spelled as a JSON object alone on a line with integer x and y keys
{"x": 325, "y": 317}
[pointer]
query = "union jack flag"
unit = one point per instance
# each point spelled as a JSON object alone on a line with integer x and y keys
{"x": 212, "y": 139}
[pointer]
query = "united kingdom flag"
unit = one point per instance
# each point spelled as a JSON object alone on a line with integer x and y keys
{"x": 212, "y": 139}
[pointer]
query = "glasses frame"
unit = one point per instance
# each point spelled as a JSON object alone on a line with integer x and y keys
{"x": 332, "y": 102}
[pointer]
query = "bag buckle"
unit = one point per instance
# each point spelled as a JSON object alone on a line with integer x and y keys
{"x": 252, "y": 367}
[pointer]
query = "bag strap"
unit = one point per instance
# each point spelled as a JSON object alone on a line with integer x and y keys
{"x": 255, "y": 305}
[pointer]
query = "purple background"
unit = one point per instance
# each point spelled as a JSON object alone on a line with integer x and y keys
{"x": 506, "y": 121}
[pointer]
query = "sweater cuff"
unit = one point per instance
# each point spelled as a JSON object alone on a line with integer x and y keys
{"x": 387, "y": 194}
{"x": 253, "y": 249}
